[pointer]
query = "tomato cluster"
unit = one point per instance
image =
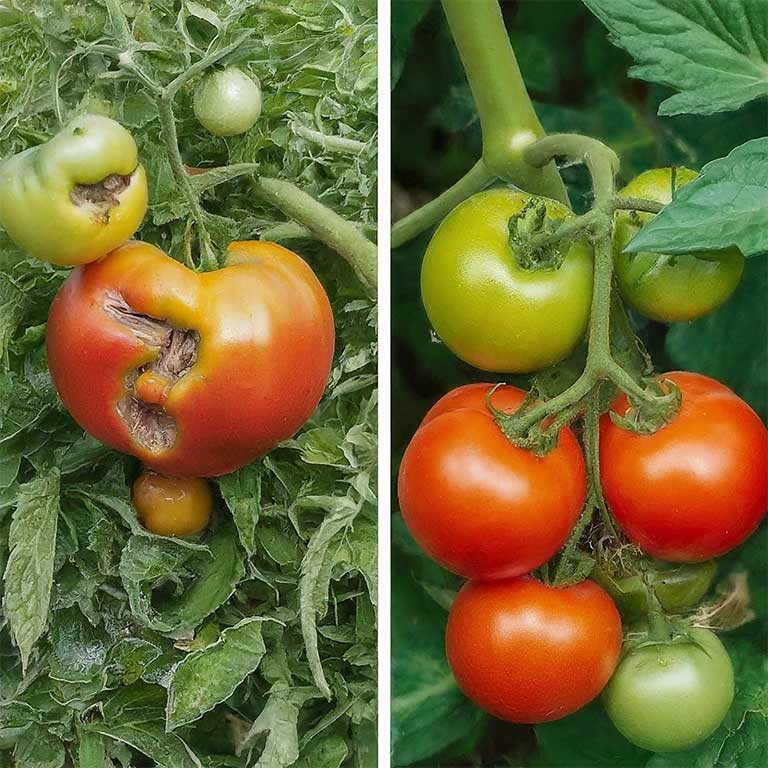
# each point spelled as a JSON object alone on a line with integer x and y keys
{"x": 683, "y": 492}
{"x": 196, "y": 374}
{"x": 493, "y": 512}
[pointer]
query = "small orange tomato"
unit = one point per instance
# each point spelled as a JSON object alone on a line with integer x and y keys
{"x": 172, "y": 506}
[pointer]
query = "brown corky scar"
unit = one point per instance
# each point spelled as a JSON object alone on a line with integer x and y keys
{"x": 177, "y": 349}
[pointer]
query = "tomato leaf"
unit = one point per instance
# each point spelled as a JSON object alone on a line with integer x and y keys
{"x": 279, "y": 721}
{"x": 315, "y": 580}
{"x": 209, "y": 676}
{"x": 724, "y": 206}
{"x": 134, "y": 716}
{"x": 711, "y": 52}
{"x": 242, "y": 493}
{"x": 429, "y": 712}
{"x": 29, "y": 571}
{"x": 37, "y": 749}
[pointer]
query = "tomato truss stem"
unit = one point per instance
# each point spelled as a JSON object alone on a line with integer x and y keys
{"x": 597, "y": 223}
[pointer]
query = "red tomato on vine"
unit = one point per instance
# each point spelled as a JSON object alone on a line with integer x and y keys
{"x": 697, "y": 487}
{"x": 530, "y": 653}
{"x": 476, "y": 503}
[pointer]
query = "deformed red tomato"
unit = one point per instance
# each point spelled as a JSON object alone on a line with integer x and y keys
{"x": 530, "y": 653}
{"x": 698, "y": 486}
{"x": 476, "y": 503}
{"x": 196, "y": 374}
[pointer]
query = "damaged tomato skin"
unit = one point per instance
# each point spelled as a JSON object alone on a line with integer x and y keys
{"x": 37, "y": 208}
{"x": 476, "y": 503}
{"x": 702, "y": 478}
{"x": 531, "y": 653}
{"x": 172, "y": 506}
{"x": 265, "y": 351}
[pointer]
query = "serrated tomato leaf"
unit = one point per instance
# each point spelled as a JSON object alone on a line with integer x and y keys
{"x": 209, "y": 676}
{"x": 29, "y": 571}
{"x": 714, "y": 52}
{"x": 725, "y": 206}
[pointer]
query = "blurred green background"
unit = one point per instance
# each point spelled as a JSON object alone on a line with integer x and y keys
{"x": 578, "y": 82}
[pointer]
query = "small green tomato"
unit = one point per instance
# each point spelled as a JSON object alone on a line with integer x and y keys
{"x": 227, "y": 103}
{"x": 666, "y": 288}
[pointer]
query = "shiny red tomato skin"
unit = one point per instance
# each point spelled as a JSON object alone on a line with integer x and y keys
{"x": 266, "y": 345}
{"x": 476, "y": 503}
{"x": 530, "y": 653}
{"x": 697, "y": 487}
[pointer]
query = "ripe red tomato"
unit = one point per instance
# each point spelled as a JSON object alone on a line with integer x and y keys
{"x": 530, "y": 653}
{"x": 476, "y": 503}
{"x": 698, "y": 486}
{"x": 196, "y": 374}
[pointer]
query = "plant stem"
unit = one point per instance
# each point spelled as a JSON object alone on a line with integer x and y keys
{"x": 600, "y": 364}
{"x": 637, "y": 204}
{"x": 208, "y": 60}
{"x": 326, "y": 225}
{"x": 319, "y": 221}
{"x": 208, "y": 260}
{"x": 573, "y": 539}
{"x": 330, "y": 143}
{"x": 507, "y": 117}
{"x": 477, "y": 178}
{"x": 292, "y": 230}
{"x": 126, "y": 39}
{"x": 591, "y": 436}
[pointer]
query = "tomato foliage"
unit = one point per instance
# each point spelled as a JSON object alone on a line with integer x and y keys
{"x": 217, "y": 650}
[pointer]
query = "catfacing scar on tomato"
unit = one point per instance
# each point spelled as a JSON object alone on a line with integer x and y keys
{"x": 196, "y": 374}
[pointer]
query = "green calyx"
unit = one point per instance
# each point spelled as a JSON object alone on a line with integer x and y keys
{"x": 533, "y": 237}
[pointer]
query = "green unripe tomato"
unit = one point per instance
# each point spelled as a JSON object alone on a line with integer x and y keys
{"x": 77, "y": 197}
{"x": 664, "y": 287}
{"x": 670, "y": 697}
{"x": 227, "y": 102}
{"x": 486, "y": 307}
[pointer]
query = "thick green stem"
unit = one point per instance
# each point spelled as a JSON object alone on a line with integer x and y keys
{"x": 476, "y": 179}
{"x": 599, "y": 350}
{"x": 601, "y": 161}
{"x": 327, "y": 226}
{"x": 292, "y": 230}
{"x": 339, "y": 144}
{"x": 318, "y": 221}
{"x": 507, "y": 117}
